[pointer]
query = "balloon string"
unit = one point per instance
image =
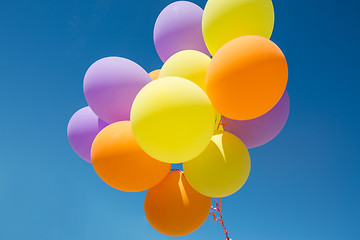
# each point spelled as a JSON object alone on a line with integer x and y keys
{"x": 222, "y": 122}
{"x": 215, "y": 210}
{"x": 219, "y": 219}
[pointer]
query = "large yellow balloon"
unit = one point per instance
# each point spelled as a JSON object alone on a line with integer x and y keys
{"x": 189, "y": 64}
{"x": 222, "y": 169}
{"x": 172, "y": 119}
{"x": 224, "y": 20}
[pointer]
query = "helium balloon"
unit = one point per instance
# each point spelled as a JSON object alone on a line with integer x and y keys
{"x": 82, "y": 129}
{"x": 110, "y": 86}
{"x": 189, "y": 64}
{"x": 225, "y": 20}
{"x": 258, "y": 131}
{"x": 221, "y": 169}
{"x": 177, "y": 28}
{"x": 174, "y": 208}
{"x": 246, "y": 77}
{"x": 172, "y": 119}
{"x": 154, "y": 74}
{"x": 121, "y": 163}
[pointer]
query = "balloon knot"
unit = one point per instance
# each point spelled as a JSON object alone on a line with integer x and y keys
{"x": 222, "y": 122}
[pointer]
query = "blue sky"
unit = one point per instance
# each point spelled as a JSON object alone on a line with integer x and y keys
{"x": 304, "y": 185}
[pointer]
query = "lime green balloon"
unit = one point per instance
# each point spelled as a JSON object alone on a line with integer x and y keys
{"x": 221, "y": 169}
{"x": 172, "y": 119}
{"x": 189, "y": 64}
{"x": 224, "y": 20}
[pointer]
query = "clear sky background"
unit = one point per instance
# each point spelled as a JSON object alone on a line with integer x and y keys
{"x": 304, "y": 185}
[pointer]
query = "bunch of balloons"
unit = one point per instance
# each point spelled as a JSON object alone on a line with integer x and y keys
{"x": 202, "y": 111}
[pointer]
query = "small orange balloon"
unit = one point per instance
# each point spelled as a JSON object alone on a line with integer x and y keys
{"x": 246, "y": 77}
{"x": 154, "y": 74}
{"x": 174, "y": 208}
{"x": 121, "y": 163}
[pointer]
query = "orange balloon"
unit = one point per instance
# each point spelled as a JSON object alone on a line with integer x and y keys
{"x": 174, "y": 208}
{"x": 154, "y": 74}
{"x": 246, "y": 77}
{"x": 121, "y": 163}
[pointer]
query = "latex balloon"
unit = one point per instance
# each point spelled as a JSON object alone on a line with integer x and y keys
{"x": 110, "y": 86}
{"x": 177, "y": 28}
{"x": 189, "y": 64}
{"x": 154, "y": 74}
{"x": 174, "y": 208}
{"x": 225, "y": 20}
{"x": 221, "y": 169}
{"x": 172, "y": 119}
{"x": 246, "y": 77}
{"x": 82, "y": 129}
{"x": 260, "y": 130}
{"x": 121, "y": 163}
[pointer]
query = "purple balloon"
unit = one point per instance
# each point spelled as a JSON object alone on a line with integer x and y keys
{"x": 111, "y": 85}
{"x": 82, "y": 129}
{"x": 258, "y": 131}
{"x": 177, "y": 28}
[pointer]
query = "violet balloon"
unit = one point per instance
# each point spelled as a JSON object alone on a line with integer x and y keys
{"x": 258, "y": 131}
{"x": 82, "y": 129}
{"x": 177, "y": 28}
{"x": 111, "y": 85}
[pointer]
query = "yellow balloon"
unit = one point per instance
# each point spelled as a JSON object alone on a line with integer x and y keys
{"x": 172, "y": 119}
{"x": 222, "y": 169}
{"x": 189, "y": 64}
{"x": 224, "y": 20}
